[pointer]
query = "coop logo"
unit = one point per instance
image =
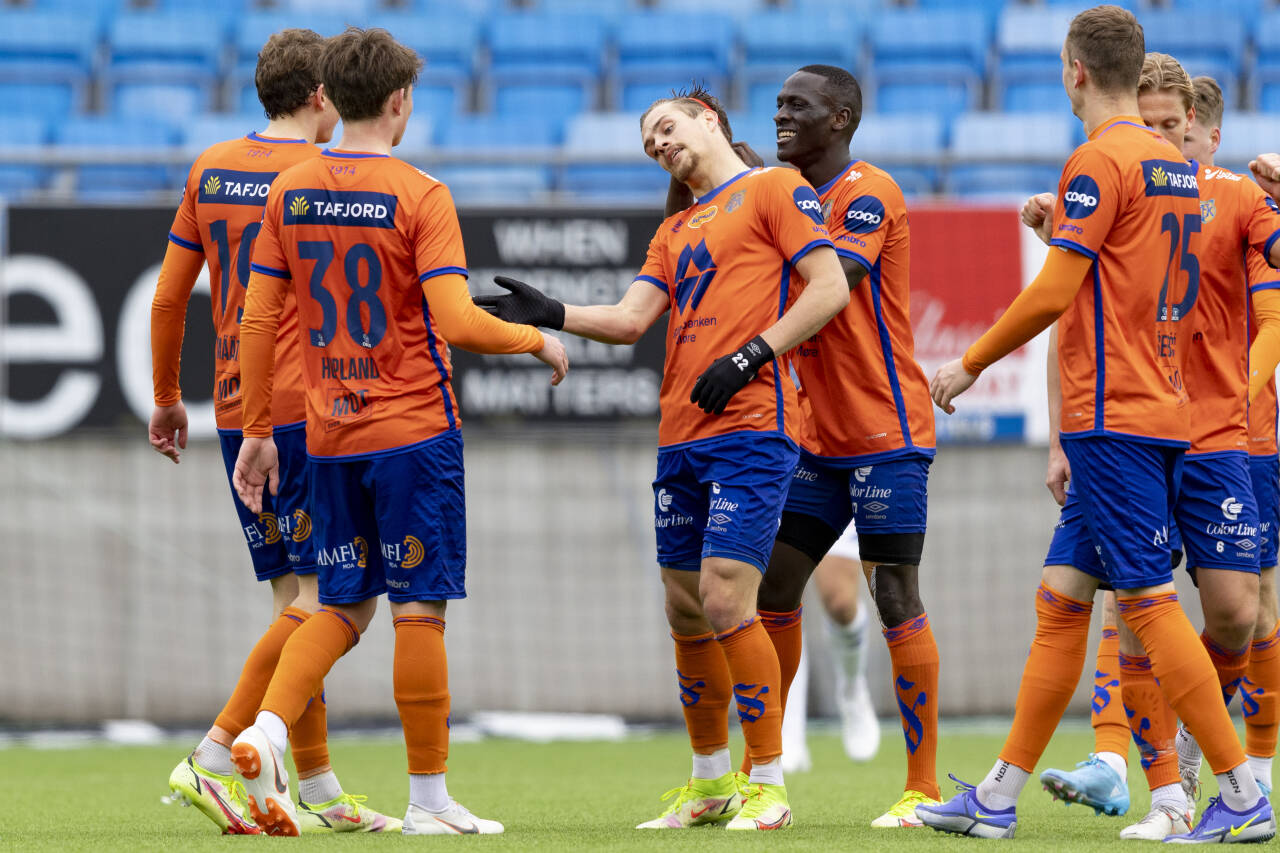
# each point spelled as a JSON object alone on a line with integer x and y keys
{"x": 228, "y": 186}
{"x": 664, "y": 500}
{"x": 1231, "y": 509}
{"x": 349, "y": 555}
{"x": 355, "y": 208}
{"x": 1165, "y": 177}
{"x": 268, "y": 520}
{"x": 807, "y": 201}
{"x": 301, "y": 526}
{"x": 1081, "y": 198}
{"x": 703, "y": 217}
{"x": 864, "y": 215}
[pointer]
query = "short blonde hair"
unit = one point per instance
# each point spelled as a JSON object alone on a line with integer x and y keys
{"x": 1161, "y": 71}
{"x": 1208, "y": 102}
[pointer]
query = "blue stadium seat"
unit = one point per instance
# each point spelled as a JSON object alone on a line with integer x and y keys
{"x": 97, "y": 11}
{"x": 202, "y": 131}
{"x": 948, "y": 37}
{"x": 471, "y": 132}
{"x": 45, "y": 49}
{"x": 989, "y": 9}
{"x": 1245, "y": 136}
{"x": 1028, "y": 67}
{"x": 181, "y": 41}
{"x": 1032, "y": 97}
{"x": 661, "y": 50}
{"x": 164, "y": 100}
{"x": 495, "y": 185}
{"x": 610, "y": 135}
{"x": 22, "y": 132}
{"x": 251, "y": 32}
{"x": 1241, "y": 9}
{"x": 888, "y": 140}
{"x": 354, "y": 11}
{"x": 437, "y": 99}
{"x": 1266, "y": 73}
{"x": 757, "y": 130}
{"x": 116, "y": 182}
{"x": 986, "y": 143}
{"x": 603, "y": 133}
{"x": 447, "y": 43}
{"x": 42, "y": 100}
{"x": 776, "y": 43}
{"x": 946, "y": 99}
{"x": 417, "y": 134}
{"x": 1210, "y": 44}
{"x": 544, "y": 62}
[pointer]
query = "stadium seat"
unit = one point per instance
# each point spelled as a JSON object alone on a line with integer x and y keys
{"x": 447, "y": 43}
{"x": 42, "y": 100}
{"x": 417, "y": 134}
{"x": 1210, "y": 44}
{"x": 946, "y": 99}
{"x": 47, "y": 49}
{"x": 119, "y": 181}
{"x": 658, "y": 51}
{"x": 607, "y": 133}
{"x": 905, "y": 145}
{"x": 1245, "y": 136}
{"x": 17, "y": 180}
{"x": 251, "y": 33}
{"x": 987, "y": 147}
{"x": 1028, "y": 65}
{"x": 989, "y": 9}
{"x": 544, "y": 62}
{"x": 163, "y": 63}
{"x": 472, "y": 132}
{"x": 776, "y": 43}
{"x": 495, "y": 185}
{"x": 947, "y": 37}
{"x": 1266, "y": 72}
{"x": 1240, "y": 9}
{"x": 201, "y": 132}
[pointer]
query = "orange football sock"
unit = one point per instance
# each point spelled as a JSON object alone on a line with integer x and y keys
{"x": 258, "y": 669}
{"x": 1110, "y": 730}
{"x": 1152, "y": 721}
{"x": 1049, "y": 676}
{"x": 914, "y": 655}
{"x": 786, "y": 632}
{"x": 1185, "y": 674}
{"x": 1259, "y": 694}
{"x": 306, "y": 659}
{"x": 421, "y": 684}
{"x": 705, "y": 688}
{"x": 309, "y": 738}
{"x": 1229, "y": 663}
{"x": 753, "y": 670}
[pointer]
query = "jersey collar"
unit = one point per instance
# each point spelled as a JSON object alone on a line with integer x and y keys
{"x": 1116, "y": 121}
{"x": 351, "y": 155}
{"x": 831, "y": 183}
{"x": 715, "y": 192}
{"x": 258, "y": 137}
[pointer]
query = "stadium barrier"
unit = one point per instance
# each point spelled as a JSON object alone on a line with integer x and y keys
{"x": 127, "y": 590}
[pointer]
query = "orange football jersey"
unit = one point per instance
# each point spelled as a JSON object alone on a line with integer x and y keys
{"x": 359, "y": 235}
{"x": 727, "y": 266}
{"x": 220, "y": 215}
{"x": 865, "y": 396}
{"x": 1262, "y": 411}
{"x": 1128, "y": 201}
{"x": 1236, "y": 218}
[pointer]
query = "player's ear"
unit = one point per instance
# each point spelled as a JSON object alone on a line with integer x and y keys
{"x": 318, "y": 97}
{"x": 840, "y": 118}
{"x": 396, "y": 101}
{"x": 1215, "y": 139}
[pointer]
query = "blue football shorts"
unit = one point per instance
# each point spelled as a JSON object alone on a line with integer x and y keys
{"x": 1264, "y": 471}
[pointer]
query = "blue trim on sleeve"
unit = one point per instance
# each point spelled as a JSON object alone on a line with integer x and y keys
{"x": 1100, "y": 356}
{"x": 854, "y": 256}
{"x": 271, "y": 271}
{"x": 784, "y": 287}
{"x": 1266, "y": 249}
{"x": 1064, "y": 243}
{"x": 462, "y": 271}
{"x": 886, "y": 350}
{"x": 656, "y": 282}
{"x": 1264, "y": 285}
{"x": 809, "y": 247}
{"x": 439, "y": 363}
{"x": 186, "y": 244}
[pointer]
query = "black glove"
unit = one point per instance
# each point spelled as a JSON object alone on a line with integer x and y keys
{"x": 526, "y": 305}
{"x": 728, "y": 375}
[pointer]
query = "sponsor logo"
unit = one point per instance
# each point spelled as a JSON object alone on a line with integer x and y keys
{"x": 268, "y": 520}
{"x": 703, "y": 217}
{"x": 715, "y": 488}
{"x": 735, "y": 201}
{"x": 690, "y": 689}
{"x": 875, "y": 506}
{"x": 1220, "y": 175}
{"x": 1081, "y": 198}
{"x": 664, "y": 500}
{"x": 1165, "y": 177}
{"x": 229, "y": 186}
{"x": 807, "y": 202}
{"x": 414, "y": 552}
{"x": 805, "y": 474}
{"x": 721, "y": 519}
{"x": 397, "y": 584}
{"x": 695, "y": 270}
{"x": 853, "y": 175}
{"x": 301, "y": 526}
{"x": 865, "y": 214}
{"x": 1245, "y": 544}
{"x": 861, "y": 474}
{"x": 340, "y": 207}
{"x": 1236, "y": 830}
{"x": 912, "y": 725}
{"x": 1231, "y": 508}
{"x": 1208, "y": 209}
{"x": 750, "y": 704}
{"x": 1070, "y": 229}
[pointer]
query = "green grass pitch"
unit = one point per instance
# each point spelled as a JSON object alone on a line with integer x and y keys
{"x": 560, "y": 796}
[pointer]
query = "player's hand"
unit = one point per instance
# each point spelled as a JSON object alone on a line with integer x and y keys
{"x": 1037, "y": 214}
{"x": 553, "y": 353}
{"x": 1266, "y": 171}
{"x": 525, "y": 304}
{"x": 748, "y": 154}
{"x": 728, "y": 375}
{"x": 168, "y": 430}
{"x": 950, "y": 382}
{"x": 1059, "y": 473}
{"x": 256, "y": 465}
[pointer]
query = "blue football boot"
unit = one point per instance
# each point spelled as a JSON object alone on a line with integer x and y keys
{"x": 1092, "y": 784}
{"x": 1221, "y": 825}
{"x": 964, "y": 815}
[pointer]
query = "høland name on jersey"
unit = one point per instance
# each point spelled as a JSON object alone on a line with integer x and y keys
{"x": 228, "y": 186}
{"x": 340, "y": 207}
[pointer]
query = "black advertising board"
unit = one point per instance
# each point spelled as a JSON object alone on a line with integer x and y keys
{"x": 78, "y": 283}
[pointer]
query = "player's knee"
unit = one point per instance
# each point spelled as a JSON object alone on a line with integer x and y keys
{"x": 841, "y": 605}
{"x": 1232, "y": 628}
{"x": 684, "y": 610}
{"x": 897, "y": 595}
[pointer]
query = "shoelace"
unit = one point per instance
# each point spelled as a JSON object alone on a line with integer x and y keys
{"x": 961, "y": 785}
{"x": 355, "y": 800}
{"x": 679, "y": 799}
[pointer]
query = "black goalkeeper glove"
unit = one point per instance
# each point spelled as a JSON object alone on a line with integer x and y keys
{"x": 525, "y": 305}
{"x": 728, "y": 375}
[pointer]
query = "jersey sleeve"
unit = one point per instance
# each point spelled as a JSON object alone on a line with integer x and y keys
{"x": 185, "y": 230}
{"x": 1089, "y": 198}
{"x": 859, "y": 219}
{"x": 654, "y": 270}
{"x": 1264, "y": 224}
{"x": 793, "y": 215}
{"x": 268, "y": 251}
{"x": 437, "y": 237}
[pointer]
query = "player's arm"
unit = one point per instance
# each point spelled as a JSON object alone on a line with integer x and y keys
{"x": 1059, "y": 471}
{"x": 464, "y": 325}
{"x": 854, "y": 272}
{"x": 1264, "y": 352}
{"x": 825, "y": 294}
{"x": 167, "y": 429}
{"x": 1035, "y": 308}
{"x": 257, "y": 464}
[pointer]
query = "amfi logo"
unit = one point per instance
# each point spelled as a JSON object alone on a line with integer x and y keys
{"x": 212, "y": 185}
{"x": 268, "y": 520}
{"x": 362, "y": 551}
{"x": 414, "y": 552}
{"x": 301, "y": 526}
{"x": 299, "y": 206}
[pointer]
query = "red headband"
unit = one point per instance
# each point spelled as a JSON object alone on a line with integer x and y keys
{"x": 704, "y": 104}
